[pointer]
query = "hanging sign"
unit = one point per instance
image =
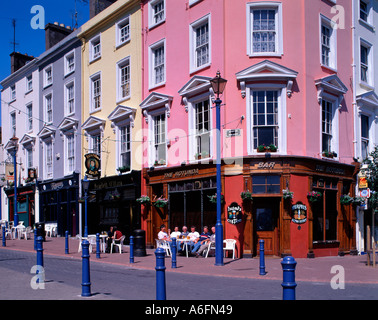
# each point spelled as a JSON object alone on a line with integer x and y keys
{"x": 234, "y": 213}
{"x": 92, "y": 164}
{"x": 362, "y": 182}
{"x": 299, "y": 213}
{"x": 365, "y": 193}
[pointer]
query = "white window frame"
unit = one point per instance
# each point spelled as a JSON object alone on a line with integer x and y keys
{"x": 93, "y": 44}
{"x": 120, "y": 127}
{"x": 369, "y": 23}
{"x": 29, "y": 117}
{"x": 69, "y": 67}
{"x": 335, "y": 123}
{"x": 69, "y": 156}
{"x": 367, "y": 139}
{"x": 120, "y": 65}
{"x": 192, "y": 43}
{"x": 151, "y": 128}
{"x": 67, "y": 99}
{"x": 29, "y": 84}
{"x": 13, "y": 92}
{"x": 193, "y": 147}
{"x": 29, "y": 157}
{"x": 369, "y": 84}
{"x": 46, "y": 98}
{"x": 265, "y": 5}
{"x": 282, "y": 117}
{"x": 152, "y": 13}
{"x": 121, "y": 25}
{"x": 93, "y": 78}
{"x": 92, "y": 143}
{"x": 152, "y": 68}
{"x": 193, "y": 2}
{"x": 331, "y": 25}
{"x": 13, "y": 124}
{"x": 48, "y": 174}
{"x": 48, "y": 80}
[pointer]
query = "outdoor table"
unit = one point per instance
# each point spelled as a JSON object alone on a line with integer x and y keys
{"x": 103, "y": 238}
{"x": 19, "y": 229}
{"x": 185, "y": 241}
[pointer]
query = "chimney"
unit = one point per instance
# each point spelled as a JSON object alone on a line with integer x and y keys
{"x": 55, "y": 33}
{"x": 18, "y": 60}
{"x": 96, "y": 6}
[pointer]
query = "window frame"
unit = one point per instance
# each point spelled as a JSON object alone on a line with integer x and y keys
{"x": 29, "y": 84}
{"x": 369, "y": 83}
{"x": 69, "y": 156}
{"x": 335, "y": 124}
{"x": 13, "y": 93}
{"x": 48, "y": 175}
{"x": 93, "y": 78}
{"x": 92, "y": 45}
{"x": 194, "y": 26}
{"x": 13, "y": 123}
{"x": 120, "y": 128}
{"x": 281, "y": 115}
{"x": 265, "y": 5}
{"x": 152, "y": 115}
{"x": 48, "y": 81}
{"x": 119, "y": 26}
{"x": 151, "y": 13}
{"x": 120, "y": 65}
{"x": 67, "y": 100}
{"x": 152, "y": 67}
{"x": 67, "y": 64}
{"x": 330, "y": 25}
{"x": 48, "y": 97}
{"x": 29, "y": 117}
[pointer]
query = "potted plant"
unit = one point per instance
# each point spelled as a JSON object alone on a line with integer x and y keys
{"x": 346, "y": 199}
{"x": 160, "y": 202}
{"x": 314, "y": 196}
{"x": 329, "y": 154}
{"x": 246, "y": 195}
{"x": 213, "y": 198}
{"x": 270, "y": 148}
{"x": 143, "y": 200}
{"x": 198, "y": 156}
{"x": 358, "y": 201}
{"x": 123, "y": 169}
{"x": 287, "y": 194}
{"x": 205, "y": 154}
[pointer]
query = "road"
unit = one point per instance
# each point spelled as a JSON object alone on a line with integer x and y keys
{"x": 111, "y": 282}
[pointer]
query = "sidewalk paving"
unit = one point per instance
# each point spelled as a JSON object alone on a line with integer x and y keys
{"x": 313, "y": 270}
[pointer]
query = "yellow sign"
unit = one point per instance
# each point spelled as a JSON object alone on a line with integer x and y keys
{"x": 362, "y": 183}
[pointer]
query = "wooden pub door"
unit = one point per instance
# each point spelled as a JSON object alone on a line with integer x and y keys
{"x": 266, "y": 214}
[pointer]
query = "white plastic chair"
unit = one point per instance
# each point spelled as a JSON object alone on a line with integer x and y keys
{"x": 210, "y": 246}
{"x": 92, "y": 243}
{"x": 164, "y": 245}
{"x": 26, "y": 232}
{"x": 230, "y": 245}
{"x": 9, "y": 232}
{"x": 119, "y": 245}
{"x": 48, "y": 230}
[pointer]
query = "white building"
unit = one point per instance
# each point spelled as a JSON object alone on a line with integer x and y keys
{"x": 365, "y": 90}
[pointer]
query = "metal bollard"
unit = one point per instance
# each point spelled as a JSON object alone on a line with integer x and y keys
{"x": 86, "y": 278}
{"x": 174, "y": 253}
{"x": 35, "y": 239}
{"x": 262, "y": 258}
{"x": 288, "y": 284}
{"x": 40, "y": 251}
{"x": 4, "y": 239}
{"x": 131, "y": 249}
{"x": 66, "y": 248}
{"x": 160, "y": 274}
{"x": 98, "y": 246}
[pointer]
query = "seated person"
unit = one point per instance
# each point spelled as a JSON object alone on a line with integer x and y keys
{"x": 163, "y": 235}
{"x": 176, "y": 234}
{"x": 206, "y": 243}
{"x": 184, "y": 232}
{"x": 193, "y": 236}
{"x": 202, "y": 239}
{"x": 116, "y": 237}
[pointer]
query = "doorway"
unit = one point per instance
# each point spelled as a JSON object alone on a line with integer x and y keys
{"x": 265, "y": 215}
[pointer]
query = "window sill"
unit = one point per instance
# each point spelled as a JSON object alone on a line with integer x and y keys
{"x": 329, "y": 68}
{"x": 265, "y": 54}
{"x": 155, "y": 25}
{"x": 195, "y": 70}
{"x": 120, "y": 45}
{"x": 119, "y": 101}
{"x": 155, "y": 86}
{"x": 366, "y": 25}
{"x": 69, "y": 73}
{"x": 366, "y": 85}
{"x": 94, "y": 59}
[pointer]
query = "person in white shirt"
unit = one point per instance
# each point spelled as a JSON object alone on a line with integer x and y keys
{"x": 162, "y": 235}
{"x": 193, "y": 237}
{"x": 176, "y": 234}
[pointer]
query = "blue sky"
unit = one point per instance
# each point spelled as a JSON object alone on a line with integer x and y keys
{"x": 32, "y": 41}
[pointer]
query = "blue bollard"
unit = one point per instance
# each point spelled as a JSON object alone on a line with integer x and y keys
{"x": 160, "y": 274}
{"x": 66, "y": 248}
{"x": 35, "y": 239}
{"x": 174, "y": 253}
{"x": 262, "y": 258}
{"x": 98, "y": 246}
{"x": 131, "y": 249}
{"x": 86, "y": 278}
{"x": 4, "y": 240}
{"x": 288, "y": 284}
{"x": 40, "y": 251}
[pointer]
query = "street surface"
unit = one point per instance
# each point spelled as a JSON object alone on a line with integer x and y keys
{"x": 113, "y": 282}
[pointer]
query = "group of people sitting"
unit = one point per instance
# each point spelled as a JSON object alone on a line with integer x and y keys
{"x": 197, "y": 242}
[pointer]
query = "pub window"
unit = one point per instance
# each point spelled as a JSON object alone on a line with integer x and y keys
{"x": 266, "y": 184}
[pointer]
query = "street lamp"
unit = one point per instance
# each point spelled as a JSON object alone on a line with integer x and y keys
{"x": 13, "y": 148}
{"x": 218, "y": 84}
{"x": 85, "y": 183}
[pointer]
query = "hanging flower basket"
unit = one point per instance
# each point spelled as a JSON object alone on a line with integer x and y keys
{"x": 160, "y": 202}
{"x": 246, "y": 196}
{"x": 314, "y": 196}
{"x": 287, "y": 194}
{"x": 346, "y": 199}
{"x": 358, "y": 201}
{"x": 143, "y": 200}
{"x": 213, "y": 198}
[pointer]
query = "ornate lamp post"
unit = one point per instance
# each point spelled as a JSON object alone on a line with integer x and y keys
{"x": 85, "y": 183}
{"x": 218, "y": 84}
{"x": 12, "y": 150}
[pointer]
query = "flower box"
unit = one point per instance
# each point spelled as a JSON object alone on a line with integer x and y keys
{"x": 270, "y": 148}
{"x": 346, "y": 199}
{"x": 314, "y": 196}
{"x": 213, "y": 198}
{"x": 143, "y": 200}
{"x": 329, "y": 154}
{"x": 160, "y": 202}
{"x": 161, "y": 162}
{"x": 287, "y": 194}
{"x": 246, "y": 196}
{"x": 123, "y": 169}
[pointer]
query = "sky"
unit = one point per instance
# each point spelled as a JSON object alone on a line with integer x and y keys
{"x": 29, "y": 40}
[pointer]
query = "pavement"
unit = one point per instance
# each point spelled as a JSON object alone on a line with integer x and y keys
{"x": 322, "y": 269}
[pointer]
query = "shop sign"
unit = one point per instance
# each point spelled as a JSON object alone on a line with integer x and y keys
{"x": 330, "y": 170}
{"x": 181, "y": 174}
{"x": 362, "y": 182}
{"x": 92, "y": 164}
{"x": 266, "y": 165}
{"x": 299, "y": 213}
{"x": 9, "y": 172}
{"x": 234, "y": 213}
{"x": 365, "y": 193}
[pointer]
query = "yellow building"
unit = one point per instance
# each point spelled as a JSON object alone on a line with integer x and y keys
{"x": 111, "y": 94}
